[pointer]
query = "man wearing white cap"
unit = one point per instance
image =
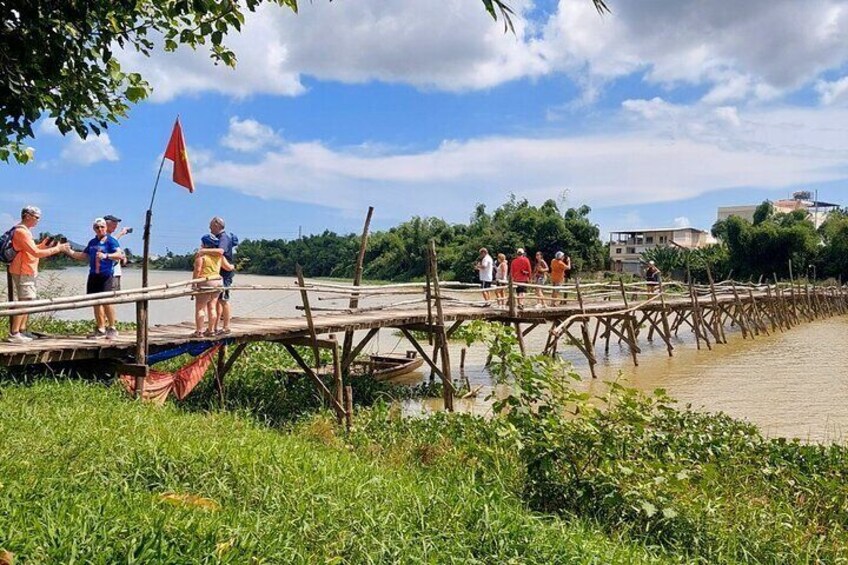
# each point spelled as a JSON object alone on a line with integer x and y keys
{"x": 112, "y": 222}
{"x": 102, "y": 252}
{"x": 521, "y": 271}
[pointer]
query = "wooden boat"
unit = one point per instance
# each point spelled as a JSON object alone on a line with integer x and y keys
{"x": 387, "y": 366}
{"x": 381, "y": 367}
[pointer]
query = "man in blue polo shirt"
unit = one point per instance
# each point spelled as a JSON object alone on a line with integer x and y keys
{"x": 102, "y": 252}
{"x": 226, "y": 243}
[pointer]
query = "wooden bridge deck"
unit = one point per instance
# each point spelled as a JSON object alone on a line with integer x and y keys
{"x": 163, "y": 337}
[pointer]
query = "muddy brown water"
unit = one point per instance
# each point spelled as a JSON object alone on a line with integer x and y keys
{"x": 791, "y": 384}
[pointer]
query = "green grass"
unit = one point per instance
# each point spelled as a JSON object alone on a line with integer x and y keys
{"x": 83, "y": 472}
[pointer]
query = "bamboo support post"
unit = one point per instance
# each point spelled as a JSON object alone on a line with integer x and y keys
{"x": 740, "y": 313}
{"x": 428, "y": 291}
{"x": 628, "y": 326}
{"x": 520, "y": 335}
{"x": 348, "y": 398}
{"x": 220, "y": 363}
{"x": 664, "y": 316}
{"x": 357, "y": 280}
{"x": 511, "y": 296}
{"x": 304, "y": 296}
{"x": 718, "y": 327}
{"x": 141, "y": 333}
{"x": 584, "y": 330}
{"x": 338, "y": 383}
{"x": 696, "y": 323}
{"x": 440, "y": 325}
{"x": 319, "y": 384}
{"x": 758, "y": 315}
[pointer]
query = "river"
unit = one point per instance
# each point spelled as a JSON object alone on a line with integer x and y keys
{"x": 790, "y": 384}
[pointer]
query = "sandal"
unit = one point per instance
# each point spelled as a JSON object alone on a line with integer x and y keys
{"x": 197, "y": 334}
{"x": 223, "y": 331}
{"x": 207, "y": 333}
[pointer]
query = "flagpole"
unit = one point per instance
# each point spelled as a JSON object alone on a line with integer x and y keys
{"x": 147, "y": 223}
{"x": 141, "y": 307}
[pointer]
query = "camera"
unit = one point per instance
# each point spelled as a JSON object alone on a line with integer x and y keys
{"x": 129, "y": 230}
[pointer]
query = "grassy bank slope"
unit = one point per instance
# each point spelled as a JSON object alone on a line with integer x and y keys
{"x": 87, "y": 476}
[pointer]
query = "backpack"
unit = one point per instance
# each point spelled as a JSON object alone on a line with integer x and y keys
{"x": 7, "y": 250}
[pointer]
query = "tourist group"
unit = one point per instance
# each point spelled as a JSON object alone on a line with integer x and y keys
{"x": 495, "y": 276}
{"x": 105, "y": 257}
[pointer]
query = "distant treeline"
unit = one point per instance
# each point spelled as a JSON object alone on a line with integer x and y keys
{"x": 398, "y": 253}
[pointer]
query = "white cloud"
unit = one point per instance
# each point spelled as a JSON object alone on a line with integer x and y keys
{"x": 832, "y": 92}
{"x": 88, "y": 151}
{"x": 452, "y": 45}
{"x": 682, "y": 153}
{"x": 681, "y": 222}
{"x": 748, "y": 49}
{"x": 757, "y": 49}
{"x": 47, "y": 127}
{"x": 249, "y": 136}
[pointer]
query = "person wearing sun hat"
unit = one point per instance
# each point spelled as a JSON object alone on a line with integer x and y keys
{"x": 102, "y": 252}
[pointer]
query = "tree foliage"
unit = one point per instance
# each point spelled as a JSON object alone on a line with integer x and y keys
{"x": 766, "y": 248}
{"x": 833, "y": 255}
{"x": 58, "y": 57}
{"x": 399, "y": 253}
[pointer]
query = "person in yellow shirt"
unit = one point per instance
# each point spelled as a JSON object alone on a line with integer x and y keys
{"x": 208, "y": 265}
{"x": 24, "y": 267}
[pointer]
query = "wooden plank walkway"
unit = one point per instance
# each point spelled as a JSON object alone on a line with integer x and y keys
{"x": 163, "y": 337}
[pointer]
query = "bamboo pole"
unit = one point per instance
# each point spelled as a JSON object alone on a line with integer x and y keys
{"x": 740, "y": 313}
{"x": 219, "y": 374}
{"x": 584, "y": 331}
{"x": 718, "y": 327}
{"x": 440, "y": 328}
{"x": 348, "y": 406}
{"x": 357, "y": 279}
{"x": 338, "y": 383}
{"x": 628, "y": 326}
{"x": 696, "y": 323}
{"x": 120, "y": 297}
{"x": 304, "y": 296}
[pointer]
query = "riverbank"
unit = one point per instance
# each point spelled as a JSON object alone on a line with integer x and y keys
{"x": 88, "y": 475}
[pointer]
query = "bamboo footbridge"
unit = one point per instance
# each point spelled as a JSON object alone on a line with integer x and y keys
{"x": 584, "y": 315}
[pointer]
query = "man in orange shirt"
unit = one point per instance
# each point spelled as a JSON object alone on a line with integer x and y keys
{"x": 24, "y": 267}
{"x": 558, "y": 274}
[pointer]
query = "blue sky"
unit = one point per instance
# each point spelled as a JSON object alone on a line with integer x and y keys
{"x": 653, "y": 115}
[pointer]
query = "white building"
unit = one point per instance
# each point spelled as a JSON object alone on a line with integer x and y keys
{"x": 626, "y": 246}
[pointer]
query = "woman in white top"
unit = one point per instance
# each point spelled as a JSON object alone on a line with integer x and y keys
{"x": 501, "y": 279}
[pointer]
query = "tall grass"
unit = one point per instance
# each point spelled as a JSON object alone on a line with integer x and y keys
{"x": 86, "y": 476}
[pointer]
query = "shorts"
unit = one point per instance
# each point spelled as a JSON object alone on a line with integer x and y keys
{"x": 227, "y": 279}
{"x": 116, "y": 283}
{"x": 557, "y": 283}
{"x": 205, "y": 297}
{"x": 540, "y": 280}
{"x": 485, "y": 284}
{"x": 520, "y": 289}
{"x": 24, "y": 286}
{"x": 99, "y": 283}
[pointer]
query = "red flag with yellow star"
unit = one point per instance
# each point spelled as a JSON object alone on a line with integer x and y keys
{"x": 176, "y": 152}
